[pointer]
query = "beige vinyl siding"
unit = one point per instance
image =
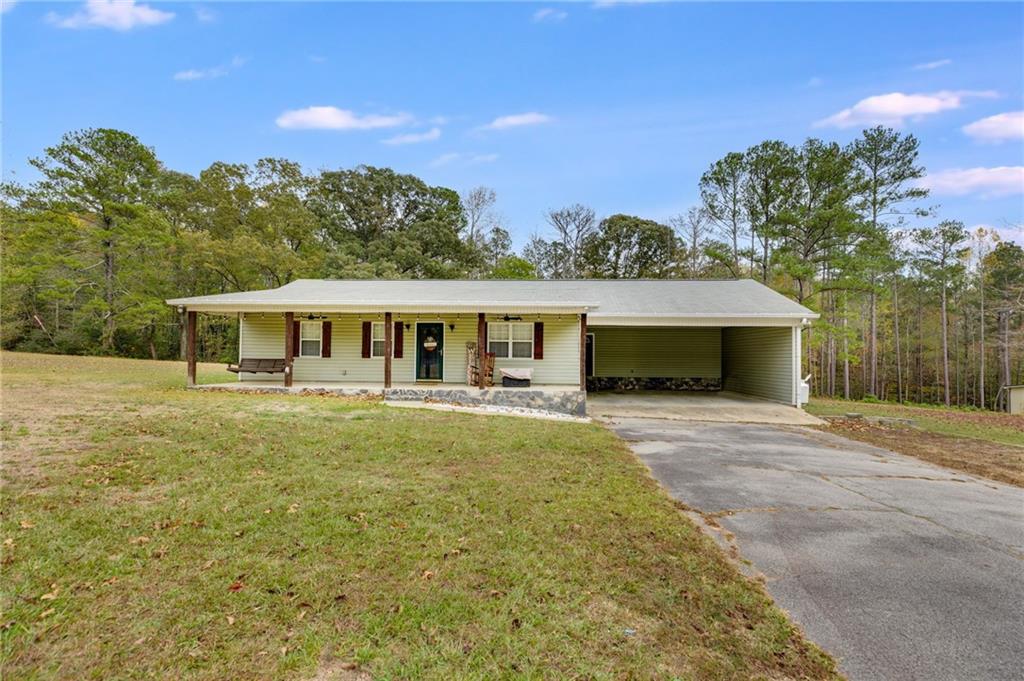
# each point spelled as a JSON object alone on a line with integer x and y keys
{"x": 262, "y": 336}
{"x": 759, "y": 362}
{"x": 652, "y": 352}
{"x": 561, "y": 363}
{"x": 346, "y": 362}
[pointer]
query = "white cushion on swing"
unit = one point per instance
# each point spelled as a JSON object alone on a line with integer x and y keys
{"x": 518, "y": 374}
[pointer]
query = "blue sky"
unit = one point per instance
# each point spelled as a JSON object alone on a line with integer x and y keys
{"x": 620, "y": 107}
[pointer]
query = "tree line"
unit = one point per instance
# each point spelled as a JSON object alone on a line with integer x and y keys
{"x": 925, "y": 314}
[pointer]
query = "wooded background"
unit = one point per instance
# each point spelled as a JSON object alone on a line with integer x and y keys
{"x": 925, "y": 314}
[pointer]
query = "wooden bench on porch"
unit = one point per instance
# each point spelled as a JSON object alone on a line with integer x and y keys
{"x": 258, "y": 366}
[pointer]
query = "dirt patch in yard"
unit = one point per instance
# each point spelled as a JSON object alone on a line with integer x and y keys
{"x": 1001, "y": 462}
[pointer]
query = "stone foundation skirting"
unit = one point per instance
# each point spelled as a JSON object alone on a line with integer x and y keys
{"x": 624, "y": 383}
{"x": 572, "y": 402}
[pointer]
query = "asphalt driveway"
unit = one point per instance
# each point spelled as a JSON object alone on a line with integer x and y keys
{"x": 899, "y": 568}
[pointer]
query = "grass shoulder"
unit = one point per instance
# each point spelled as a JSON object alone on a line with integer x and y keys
{"x": 988, "y": 444}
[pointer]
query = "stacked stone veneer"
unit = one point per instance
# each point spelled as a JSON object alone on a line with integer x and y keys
{"x": 599, "y": 383}
{"x": 572, "y": 402}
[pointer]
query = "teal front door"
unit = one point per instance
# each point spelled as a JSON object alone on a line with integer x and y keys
{"x": 429, "y": 351}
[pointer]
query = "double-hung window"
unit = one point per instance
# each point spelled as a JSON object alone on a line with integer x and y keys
{"x": 377, "y": 339}
{"x": 310, "y": 339}
{"x": 510, "y": 339}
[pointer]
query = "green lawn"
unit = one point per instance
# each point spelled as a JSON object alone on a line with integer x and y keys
{"x": 152, "y": 531}
{"x": 973, "y": 423}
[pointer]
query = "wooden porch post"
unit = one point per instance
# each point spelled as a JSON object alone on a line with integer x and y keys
{"x": 289, "y": 347}
{"x": 583, "y": 352}
{"x": 190, "y": 346}
{"x": 388, "y": 332}
{"x": 481, "y": 347}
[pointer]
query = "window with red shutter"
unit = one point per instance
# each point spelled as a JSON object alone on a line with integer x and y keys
{"x": 325, "y": 348}
{"x": 367, "y": 331}
{"x": 398, "y": 341}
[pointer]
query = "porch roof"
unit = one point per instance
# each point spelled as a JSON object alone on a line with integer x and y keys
{"x": 623, "y": 301}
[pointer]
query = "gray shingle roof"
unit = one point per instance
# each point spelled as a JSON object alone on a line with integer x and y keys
{"x": 601, "y": 298}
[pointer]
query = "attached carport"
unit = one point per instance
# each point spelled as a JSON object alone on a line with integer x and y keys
{"x": 700, "y": 357}
{"x": 735, "y": 336}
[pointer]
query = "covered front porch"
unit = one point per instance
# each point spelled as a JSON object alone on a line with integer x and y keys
{"x": 420, "y": 355}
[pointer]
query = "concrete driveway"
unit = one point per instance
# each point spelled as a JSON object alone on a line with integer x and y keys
{"x": 900, "y": 569}
{"x": 723, "y": 406}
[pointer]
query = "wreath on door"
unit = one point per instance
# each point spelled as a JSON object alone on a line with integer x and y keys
{"x": 429, "y": 343}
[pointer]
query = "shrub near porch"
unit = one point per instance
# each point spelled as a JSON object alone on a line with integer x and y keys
{"x": 153, "y": 531}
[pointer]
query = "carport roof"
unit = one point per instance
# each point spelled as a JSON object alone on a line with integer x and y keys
{"x": 606, "y": 300}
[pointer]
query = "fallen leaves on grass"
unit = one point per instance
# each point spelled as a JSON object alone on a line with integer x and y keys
{"x": 992, "y": 460}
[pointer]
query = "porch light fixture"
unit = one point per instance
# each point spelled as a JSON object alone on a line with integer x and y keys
{"x": 451, "y": 327}
{"x": 407, "y": 326}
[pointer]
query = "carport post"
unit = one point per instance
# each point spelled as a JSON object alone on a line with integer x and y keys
{"x": 797, "y": 363}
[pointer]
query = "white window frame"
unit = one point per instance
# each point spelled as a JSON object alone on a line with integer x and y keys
{"x": 510, "y": 339}
{"x": 374, "y": 339}
{"x": 303, "y": 338}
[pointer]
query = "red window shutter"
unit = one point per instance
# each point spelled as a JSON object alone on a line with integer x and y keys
{"x": 325, "y": 347}
{"x": 398, "y": 340}
{"x": 538, "y": 340}
{"x": 296, "y": 338}
{"x": 366, "y": 339}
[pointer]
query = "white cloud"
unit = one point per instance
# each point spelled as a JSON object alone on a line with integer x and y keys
{"x": 605, "y": 4}
{"x": 7, "y": 5}
{"x": 894, "y": 108}
{"x": 333, "y": 118}
{"x": 516, "y": 121}
{"x": 1004, "y": 126}
{"x": 414, "y": 137}
{"x": 987, "y": 183}
{"x": 929, "y": 65}
{"x": 1014, "y": 233}
{"x": 205, "y": 15}
{"x": 549, "y": 14}
{"x": 212, "y": 72}
{"x": 464, "y": 159}
{"x": 119, "y": 15}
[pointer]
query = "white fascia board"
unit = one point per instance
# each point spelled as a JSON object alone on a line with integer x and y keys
{"x": 795, "y": 319}
{"x": 422, "y": 308}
